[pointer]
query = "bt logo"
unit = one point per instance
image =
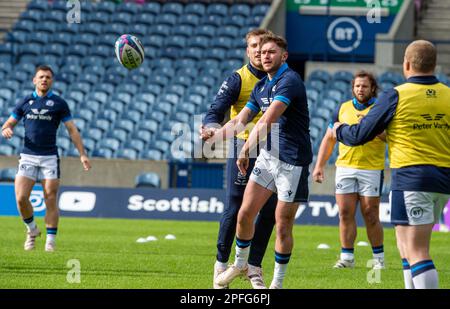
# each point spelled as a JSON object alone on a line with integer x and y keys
{"x": 344, "y": 34}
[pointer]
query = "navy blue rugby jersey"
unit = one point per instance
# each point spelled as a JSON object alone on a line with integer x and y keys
{"x": 41, "y": 117}
{"x": 294, "y": 140}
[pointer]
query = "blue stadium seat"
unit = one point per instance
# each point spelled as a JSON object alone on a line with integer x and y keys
{"x": 217, "y": 9}
{"x": 119, "y": 134}
{"x": 125, "y": 124}
{"x": 99, "y": 96}
{"x": 48, "y": 27}
{"x": 194, "y": 99}
{"x": 127, "y": 7}
{"x": 172, "y": 98}
{"x": 103, "y": 153}
{"x": 17, "y": 36}
{"x": 212, "y": 20}
{"x": 320, "y": 75}
{"x": 24, "y": 25}
{"x": 93, "y": 133}
{"x": 222, "y": 42}
{"x": 78, "y": 50}
{"x": 206, "y": 30}
{"x": 329, "y": 104}
{"x": 180, "y": 117}
{"x": 151, "y": 7}
{"x": 64, "y": 143}
{"x": 199, "y": 42}
{"x": 115, "y": 29}
{"x": 183, "y": 29}
{"x": 94, "y": 28}
{"x": 7, "y": 174}
{"x": 178, "y": 89}
{"x": 182, "y": 80}
{"x": 186, "y": 107}
{"x": 164, "y": 107}
{"x": 195, "y": 8}
{"x": 260, "y": 9}
{"x": 391, "y": 77}
{"x": 101, "y": 51}
{"x": 231, "y": 64}
{"x": 228, "y": 31}
{"x": 252, "y": 21}
{"x": 240, "y": 21}
{"x": 41, "y": 38}
{"x": 315, "y": 84}
{"x": 159, "y": 80}
{"x": 215, "y": 53}
{"x": 123, "y": 18}
{"x": 112, "y": 78}
{"x": 109, "y": 114}
{"x": 172, "y": 8}
{"x": 189, "y": 20}
{"x": 72, "y": 68}
{"x": 176, "y": 41}
{"x": 148, "y": 125}
{"x": 161, "y": 145}
{"x": 152, "y": 154}
{"x": 127, "y": 153}
{"x": 206, "y": 80}
{"x": 239, "y": 43}
{"x": 81, "y": 124}
{"x": 105, "y": 6}
{"x": 56, "y": 16}
{"x": 87, "y": 39}
{"x": 138, "y": 30}
{"x": 344, "y": 76}
{"x": 19, "y": 76}
{"x": 86, "y": 115}
{"x": 55, "y": 49}
{"x": 240, "y": 9}
{"x": 189, "y": 71}
{"x": 132, "y": 115}
{"x": 102, "y": 124}
{"x": 61, "y": 38}
{"x": 145, "y": 19}
{"x": 116, "y": 106}
{"x": 146, "y": 96}
{"x": 155, "y": 40}
{"x": 166, "y": 19}
{"x": 71, "y": 29}
{"x": 99, "y": 17}
{"x": 128, "y": 88}
{"x": 109, "y": 143}
{"x": 140, "y": 107}
{"x": 136, "y": 144}
{"x": 25, "y": 67}
{"x": 333, "y": 94}
{"x": 32, "y": 15}
{"x": 157, "y": 116}
{"x": 106, "y": 88}
{"x": 148, "y": 180}
{"x": 163, "y": 63}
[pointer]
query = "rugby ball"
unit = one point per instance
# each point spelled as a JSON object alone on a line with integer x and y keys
{"x": 129, "y": 51}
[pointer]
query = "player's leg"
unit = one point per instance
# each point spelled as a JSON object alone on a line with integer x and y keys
{"x": 23, "y": 185}
{"x": 401, "y": 246}
{"x": 292, "y": 187}
{"x": 346, "y": 199}
{"x": 421, "y": 209}
{"x": 347, "y": 228}
{"x": 227, "y": 226}
{"x": 49, "y": 174}
{"x": 51, "y": 187}
{"x": 370, "y": 183}
{"x": 263, "y": 230}
{"x": 255, "y": 196}
{"x": 285, "y": 217}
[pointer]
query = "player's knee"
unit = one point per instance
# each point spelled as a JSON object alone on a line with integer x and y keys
{"x": 371, "y": 216}
{"x": 346, "y": 215}
{"x": 22, "y": 199}
{"x": 244, "y": 216}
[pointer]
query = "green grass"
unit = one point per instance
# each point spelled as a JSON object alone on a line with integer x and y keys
{"x": 110, "y": 257}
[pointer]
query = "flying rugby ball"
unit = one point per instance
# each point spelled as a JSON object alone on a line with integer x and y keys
{"x": 129, "y": 51}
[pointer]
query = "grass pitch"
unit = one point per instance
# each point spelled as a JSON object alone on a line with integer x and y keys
{"x": 109, "y": 257}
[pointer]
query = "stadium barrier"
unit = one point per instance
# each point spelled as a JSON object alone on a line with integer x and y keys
{"x": 170, "y": 204}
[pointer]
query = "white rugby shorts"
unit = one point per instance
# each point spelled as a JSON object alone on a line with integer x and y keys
{"x": 364, "y": 182}
{"x": 289, "y": 181}
{"x": 38, "y": 167}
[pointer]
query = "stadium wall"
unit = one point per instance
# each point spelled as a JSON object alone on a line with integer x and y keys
{"x": 117, "y": 173}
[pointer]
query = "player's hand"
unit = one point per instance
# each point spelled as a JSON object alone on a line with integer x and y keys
{"x": 318, "y": 175}
{"x": 7, "y": 133}
{"x": 207, "y": 133}
{"x": 335, "y": 127}
{"x": 86, "y": 163}
{"x": 382, "y": 136}
{"x": 242, "y": 163}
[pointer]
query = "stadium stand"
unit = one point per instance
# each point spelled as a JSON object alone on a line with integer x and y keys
{"x": 8, "y": 174}
{"x": 148, "y": 180}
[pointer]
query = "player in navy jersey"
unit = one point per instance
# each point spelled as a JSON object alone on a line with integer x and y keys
{"x": 233, "y": 95}
{"x": 42, "y": 112}
{"x": 282, "y": 166}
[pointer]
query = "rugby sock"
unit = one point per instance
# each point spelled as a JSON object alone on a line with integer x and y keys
{"x": 378, "y": 252}
{"x": 31, "y": 225}
{"x": 242, "y": 252}
{"x": 51, "y": 233}
{"x": 347, "y": 254}
{"x": 220, "y": 265}
{"x": 407, "y": 277}
{"x": 424, "y": 275}
{"x": 281, "y": 263}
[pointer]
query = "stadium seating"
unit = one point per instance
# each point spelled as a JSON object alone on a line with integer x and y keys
{"x": 7, "y": 174}
{"x": 149, "y": 180}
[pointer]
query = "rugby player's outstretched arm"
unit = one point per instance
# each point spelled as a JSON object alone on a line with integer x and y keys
{"x": 325, "y": 151}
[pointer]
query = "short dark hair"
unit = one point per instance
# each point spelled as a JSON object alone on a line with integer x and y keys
{"x": 43, "y": 67}
{"x": 257, "y": 32}
{"x": 372, "y": 80}
{"x": 277, "y": 39}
